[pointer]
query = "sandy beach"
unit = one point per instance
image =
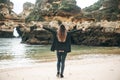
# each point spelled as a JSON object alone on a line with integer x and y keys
{"x": 104, "y": 68}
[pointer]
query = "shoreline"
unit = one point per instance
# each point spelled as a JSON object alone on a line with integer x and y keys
{"x": 6, "y": 64}
{"x": 102, "y": 68}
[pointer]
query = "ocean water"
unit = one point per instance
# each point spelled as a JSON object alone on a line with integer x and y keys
{"x": 15, "y": 54}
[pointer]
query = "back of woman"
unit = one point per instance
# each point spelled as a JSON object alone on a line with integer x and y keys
{"x": 62, "y": 45}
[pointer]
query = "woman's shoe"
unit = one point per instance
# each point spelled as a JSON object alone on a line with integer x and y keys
{"x": 61, "y": 76}
{"x": 58, "y": 74}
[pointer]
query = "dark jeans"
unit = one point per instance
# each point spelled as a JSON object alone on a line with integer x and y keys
{"x": 61, "y": 56}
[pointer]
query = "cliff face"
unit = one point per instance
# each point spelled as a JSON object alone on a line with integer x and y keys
{"x": 101, "y": 34}
{"x": 50, "y": 12}
{"x": 6, "y": 7}
{"x": 47, "y": 10}
{"x": 8, "y": 19}
{"x": 50, "y": 8}
{"x": 105, "y": 10}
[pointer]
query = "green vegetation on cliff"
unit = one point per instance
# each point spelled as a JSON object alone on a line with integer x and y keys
{"x": 34, "y": 16}
{"x": 69, "y": 6}
{"x": 104, "y": 10}
{"x": 3, "y": 1}
{"x": 94, "y": 7}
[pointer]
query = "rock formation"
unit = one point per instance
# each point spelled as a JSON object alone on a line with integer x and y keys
{"x": 93, "y": 34}
{"x": 100, "y": 25}
{"x": 51, "y": 8}
{"x": 8, "y": 19}
{"x": 27, "y": 9}
{"x": 6, "y": 12}
{"x": 50, "y": 12}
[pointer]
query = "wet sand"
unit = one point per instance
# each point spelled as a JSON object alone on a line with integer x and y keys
{"x": 102, "y": 68}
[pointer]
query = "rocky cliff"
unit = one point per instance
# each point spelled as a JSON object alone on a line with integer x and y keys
{"x": 93, "y": 34}
{"x": 45, "y": 10}
{"x": 8, "y": 19}
{"x": 95, "y": 22}
{"x": 6, "y": 7}
{"x": 99, "y": 24}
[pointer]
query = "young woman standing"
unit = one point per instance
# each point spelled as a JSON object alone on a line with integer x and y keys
{"x": 62, "y": 45}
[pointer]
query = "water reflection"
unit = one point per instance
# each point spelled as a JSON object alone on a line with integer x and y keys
{"x": 21, "y": 52}
{"x": 17, "y": 48}
{"x": 13, "y": 47}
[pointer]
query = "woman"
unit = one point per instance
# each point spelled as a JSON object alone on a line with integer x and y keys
{"x": 62, "y": 45}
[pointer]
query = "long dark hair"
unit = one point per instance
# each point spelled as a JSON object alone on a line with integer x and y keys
{"x": 61, "y": 33}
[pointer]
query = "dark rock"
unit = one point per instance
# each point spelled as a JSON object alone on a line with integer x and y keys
{"x": 93, "y": 36}
{"x": 6, "y": 34}
{"x": 35, "y": 36}
{"x": 96, "y": 37}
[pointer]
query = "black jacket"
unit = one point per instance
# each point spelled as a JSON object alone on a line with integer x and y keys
{"x": 56, "y": 45}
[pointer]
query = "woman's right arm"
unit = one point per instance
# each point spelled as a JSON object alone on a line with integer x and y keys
{"x": 48, "y": 29}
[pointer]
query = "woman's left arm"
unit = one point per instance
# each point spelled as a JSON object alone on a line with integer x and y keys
{"x": 73, "y": 31}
